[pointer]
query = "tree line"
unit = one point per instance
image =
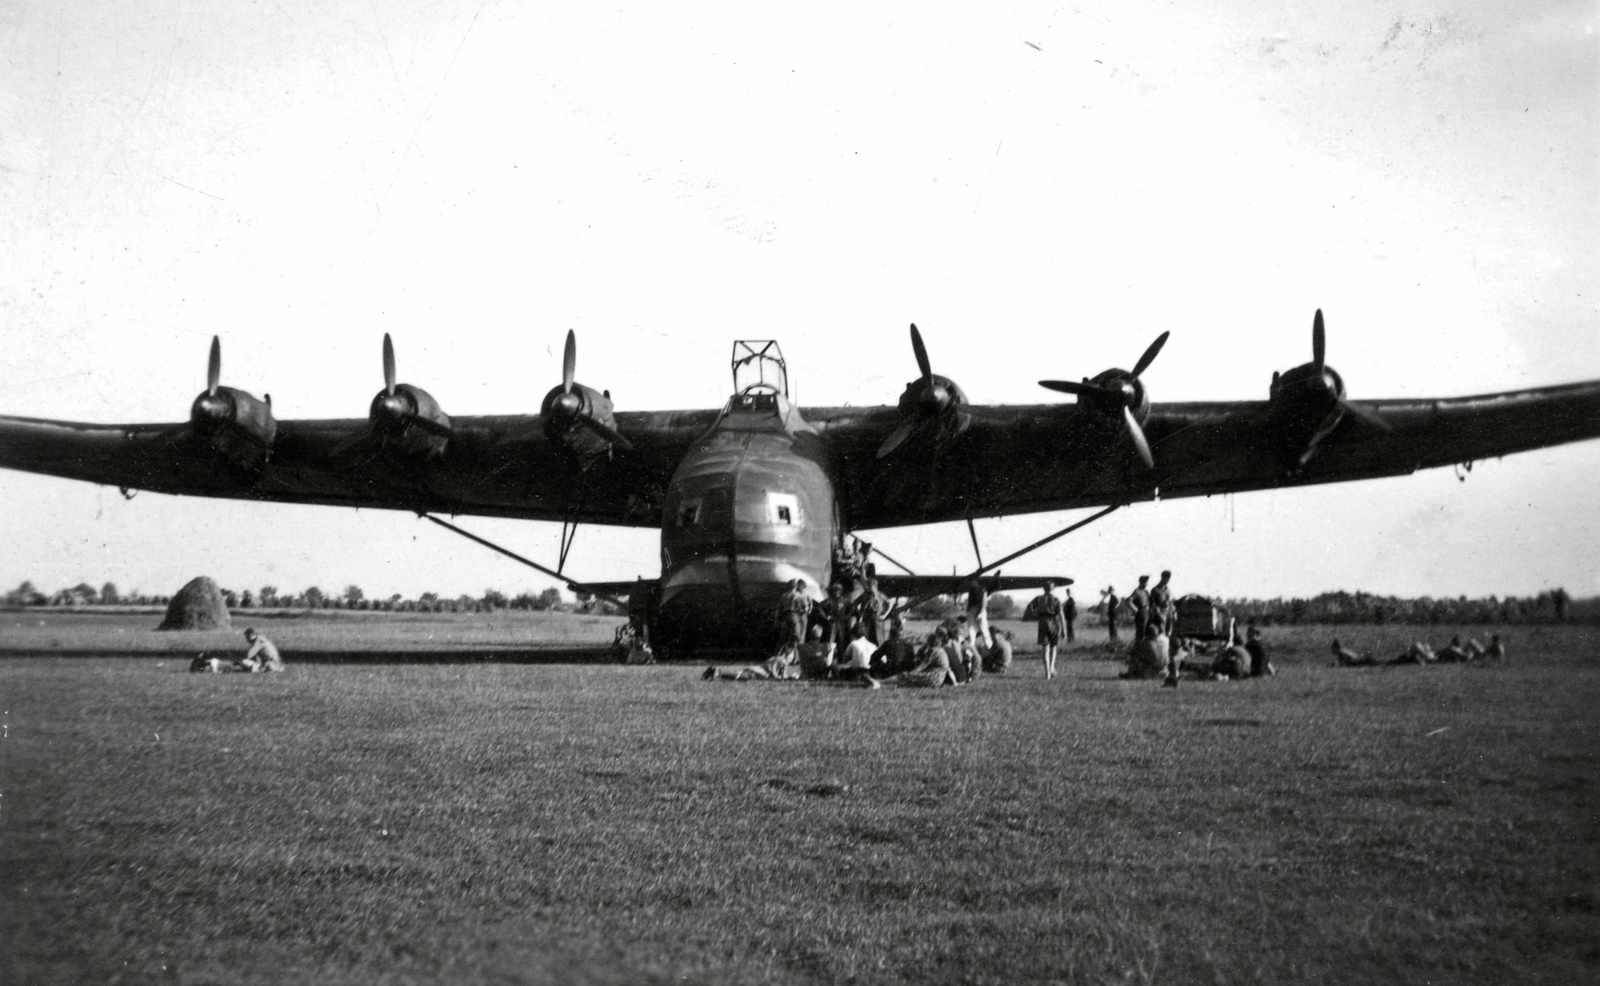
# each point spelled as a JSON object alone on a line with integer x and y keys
{"x": 1550, "y": 606}
{"x": 313, "y": 597}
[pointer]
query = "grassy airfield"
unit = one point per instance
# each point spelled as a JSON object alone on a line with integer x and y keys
{"x": 391, "y": 818}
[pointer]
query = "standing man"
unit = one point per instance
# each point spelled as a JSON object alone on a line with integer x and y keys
{"x": 1139, "y": 599}
{"x": 835, "y": 616}
{"x": 794, "y": 611}
{"x": 871, "y": 607}
{"x": 978, "y": 614}
{"x": 1046, "y": 608}
{"x": 1109, "y": 598}
{"x": 1069, "y": 615}
{"x": 1161, "y": 607}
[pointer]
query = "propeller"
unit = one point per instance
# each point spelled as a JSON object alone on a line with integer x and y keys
{"x": 212, "y": 406}
{"x": 223, "y": 414}
{"x": 571, "y": 403}
{"x": 399, "y": 406}
{"x": 933, "y": 396}
{"x": 1123, "y": 389}
{"x": 388, "y": 366}
{"x": 214, "y": 367}
{"x": 1332, "y": 382}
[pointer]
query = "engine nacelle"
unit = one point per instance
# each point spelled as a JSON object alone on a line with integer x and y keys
{"x": 933, "y": 408}
{"x": 570, "y": 420}
{"x": 410, "y": 421}
{"x": 239, "y": 426}
{"x": 1122, "y": 390}
{"x": 1306, "y": 397}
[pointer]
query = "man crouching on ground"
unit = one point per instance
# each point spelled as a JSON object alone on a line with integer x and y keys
{"x": 262, "y": 655}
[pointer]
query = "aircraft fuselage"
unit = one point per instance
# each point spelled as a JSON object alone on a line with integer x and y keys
{"x": 749, "y": 509}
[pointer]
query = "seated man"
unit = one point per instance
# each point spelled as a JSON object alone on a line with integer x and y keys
{"x": 1260, "y": 662}
{"x": 855, "y": 664}
{"x": 1344, "y": 657}
{"x": 998, "y": 657}
{"x": 1496, "y": 651}
{"x": 1455, "y": 653}
{"x": 816, "y": 655}
{"x": 1150, "y": 655}
{"x": 1233, "y": 662}
{"x": 933, "y": 670}
{"x": 895, "y": 654}
{"x": 262, "y": 655}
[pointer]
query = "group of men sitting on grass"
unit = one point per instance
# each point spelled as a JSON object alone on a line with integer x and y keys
{"x": 953, "y": 654}
{"x": 1420, "y": 653}
{"x": 1157, "y": 655}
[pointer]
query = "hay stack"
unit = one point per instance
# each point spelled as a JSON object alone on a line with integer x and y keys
{"x": 197, "y": 606}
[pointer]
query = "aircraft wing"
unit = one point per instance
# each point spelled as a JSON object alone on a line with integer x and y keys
{"x": 616, "y": 590}
{"x": 1006, "y": 459}
{"x": 491, "y": 466}
{"x": 1032, "y": 458}
{"x": 911, "y": 586}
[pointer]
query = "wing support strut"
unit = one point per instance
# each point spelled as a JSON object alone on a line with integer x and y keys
{"x": 972, "y": 530}
{"x": 985, "y": 569}
{"x": 880, "y": 554}
{"x": 571, "y": 585}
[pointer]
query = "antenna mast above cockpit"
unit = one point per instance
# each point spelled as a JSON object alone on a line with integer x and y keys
{"x": 758, "y": 364}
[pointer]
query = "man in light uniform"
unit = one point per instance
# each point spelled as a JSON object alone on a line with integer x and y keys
{"x": 1046, "y": 609}
{"x": 1161, "y": 607}
{"x": 1139, "y": 601}
{"x": 262, "y": 655}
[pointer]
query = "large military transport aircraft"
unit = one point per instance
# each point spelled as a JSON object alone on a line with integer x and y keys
{"x": 760, "y": 492}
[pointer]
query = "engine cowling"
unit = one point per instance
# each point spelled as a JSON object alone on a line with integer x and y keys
{"x": 1308, "y": 401}
{"x": 580, "y": 418}
{"x": 933, "y": 409}
{"x": 1118, "y": 396}
{"x": 406, "y": 419}
{"x": 236, "y": 424}
{"x": 571, "y": 416}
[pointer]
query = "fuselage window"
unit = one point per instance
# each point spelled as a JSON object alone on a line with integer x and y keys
{"x": 689, "y": 513}
{"x": 783, "y": 508}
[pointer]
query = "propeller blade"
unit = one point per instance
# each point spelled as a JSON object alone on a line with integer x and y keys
{"x": 1319, "y": 342}
{"x": 1150, "y": 355}
{"x": 569, "y": 362}
{"x": 1081, "y": 389}
{"x": 1369, "y": 417}
{"x": 388, "y": 366}
{"x": 922, "y": 353}
{"x": 897, "y": 437}
{"x": 607, "y": 433}
{"x": 214, "y": 367}
{"x": 1139, "y": 441}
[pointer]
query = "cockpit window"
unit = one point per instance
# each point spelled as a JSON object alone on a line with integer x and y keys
{"x": 756, "y": 400}
{"x": 689, "y": 513}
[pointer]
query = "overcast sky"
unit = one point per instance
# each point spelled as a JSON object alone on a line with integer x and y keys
{"x": 1043, "y": 188}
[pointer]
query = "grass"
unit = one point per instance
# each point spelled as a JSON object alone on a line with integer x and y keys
{"x": 390, "y": 821}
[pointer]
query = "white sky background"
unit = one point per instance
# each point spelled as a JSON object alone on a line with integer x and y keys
{"x": 1043, "y": 189}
